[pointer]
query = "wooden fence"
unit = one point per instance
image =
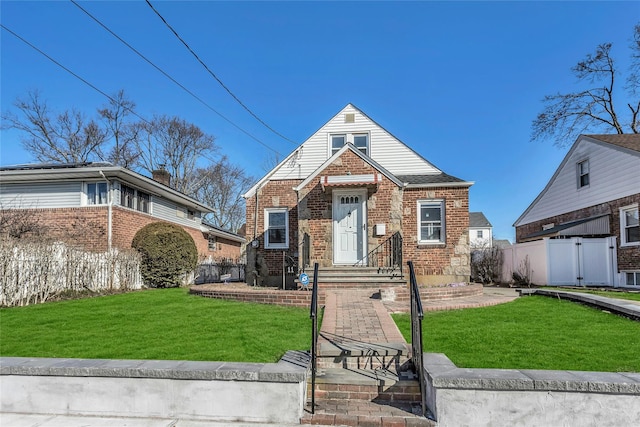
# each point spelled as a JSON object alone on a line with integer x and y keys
{"x": 31, "y": 273}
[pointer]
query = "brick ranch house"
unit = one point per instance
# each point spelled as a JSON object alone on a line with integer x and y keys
{"x": 99, "y": 206}
{"x": 348, "y": 189}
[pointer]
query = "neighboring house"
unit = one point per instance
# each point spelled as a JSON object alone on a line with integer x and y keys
{"x": 480, "y": 231}
{"x": 349, "y": 188}
{"x": 99, "y": 206}
{"x": 594, "y": 194}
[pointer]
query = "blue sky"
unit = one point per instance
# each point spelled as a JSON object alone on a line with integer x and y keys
{"x": 459, "y": 82}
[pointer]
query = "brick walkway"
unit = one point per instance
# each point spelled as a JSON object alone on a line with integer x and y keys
{"x": 357, "y": 319}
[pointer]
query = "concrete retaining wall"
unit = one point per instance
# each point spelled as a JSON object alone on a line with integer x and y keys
{"x": 490, "y": 397}
{"x": 216, "y": 391}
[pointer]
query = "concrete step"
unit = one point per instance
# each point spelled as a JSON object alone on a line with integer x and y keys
{"x": 352, "y": 354}
{"x": 368, "y": 277}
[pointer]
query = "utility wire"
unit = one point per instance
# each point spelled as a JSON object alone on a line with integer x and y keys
{"x": 92, "y": 86}
{"x": 172, "y": 79}
{"x": 216, "y": 77}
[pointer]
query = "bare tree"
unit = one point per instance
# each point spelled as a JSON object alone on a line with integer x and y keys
{"x": 122, "y": 132}
{"x": 593, "y": 109}
{"x": 221, "y": 186}
{"x": 66, "y": 137}
{"x": 177, "y": 146}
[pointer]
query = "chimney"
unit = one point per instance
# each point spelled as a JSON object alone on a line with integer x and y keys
{"x": 162, "y": 176}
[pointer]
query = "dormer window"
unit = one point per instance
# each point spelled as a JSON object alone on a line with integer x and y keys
{"x": 360, "y": 140}
{"x": 583, "y": 173}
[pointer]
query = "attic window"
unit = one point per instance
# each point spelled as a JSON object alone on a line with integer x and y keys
{"x": 350, "y": 118}
{"x": 583, "y": 173}
{"x": 360, "y": 140}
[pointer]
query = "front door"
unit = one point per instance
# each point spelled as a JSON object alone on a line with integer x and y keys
{"x": 349, "y": 226}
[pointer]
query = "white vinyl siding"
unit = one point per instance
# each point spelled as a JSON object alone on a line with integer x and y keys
{"x": 169, "y": 211}
{"x": 384, "y": 149}
{"x": 41, "y": 195}
{"x": 613, "y": 174}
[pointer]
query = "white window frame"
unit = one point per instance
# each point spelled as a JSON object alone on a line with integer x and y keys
{"x": 88, "y": 200}
{"x": 349, "y": 137}
{"x": 623, "y": 225}
{"x": 636, "y": 274}
{"x": 443, "y": 235}
{"x": 480, "y": 234}
{"x": 267, "y": 244}
{"x": 580, "y": 173}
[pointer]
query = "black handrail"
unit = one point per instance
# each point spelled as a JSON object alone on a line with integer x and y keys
{"x": 314, "y": 335}
{"x": 387, "y": 256}
{"x": 417, "y": 314}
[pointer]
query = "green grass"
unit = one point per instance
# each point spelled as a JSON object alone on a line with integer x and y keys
{"x": 166, "y": 324}
{"x": 532, "y": 333}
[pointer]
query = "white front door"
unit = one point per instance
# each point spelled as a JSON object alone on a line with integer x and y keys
{"x": 349, "y": 226}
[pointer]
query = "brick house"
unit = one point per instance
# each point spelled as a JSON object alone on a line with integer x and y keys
{"x": 594, "y": 194}
{"x": 99, "y": 206}
{"x": 349, "y": 190}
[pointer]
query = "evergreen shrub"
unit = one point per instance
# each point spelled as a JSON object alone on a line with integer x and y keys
{"x": 168, "y": 254}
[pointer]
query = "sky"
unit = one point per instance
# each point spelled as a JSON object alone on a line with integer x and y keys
{"x": 459, "y": 82}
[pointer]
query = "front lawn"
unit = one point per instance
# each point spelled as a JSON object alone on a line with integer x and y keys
{"x": 154, "y": 324}
{"x": 532, "y": 333}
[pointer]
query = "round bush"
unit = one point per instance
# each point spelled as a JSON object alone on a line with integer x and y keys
{"x": 168, "y": 253}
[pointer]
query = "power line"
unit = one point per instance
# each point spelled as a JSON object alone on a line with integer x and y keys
{"x": 92, "y": 86}
{"x": 172, "y": 79}
{"x": 216, "y": 77}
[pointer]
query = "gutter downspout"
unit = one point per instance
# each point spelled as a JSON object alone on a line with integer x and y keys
{"x": 110, "y": 212}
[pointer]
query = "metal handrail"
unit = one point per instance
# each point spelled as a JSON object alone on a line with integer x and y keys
{"x": 417, "y": 314}
{"x": 314, "y": 335}
{"x": 387, "y": 256}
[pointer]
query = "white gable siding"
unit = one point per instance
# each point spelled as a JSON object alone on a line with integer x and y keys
{"x": 384, "y": 149}
{"x": 613, "y": 174}
{"x": 40, "y": 195}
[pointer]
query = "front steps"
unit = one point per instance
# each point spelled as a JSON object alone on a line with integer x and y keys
{"x": 357, "y": 277}
{"x": 366, "y": 397}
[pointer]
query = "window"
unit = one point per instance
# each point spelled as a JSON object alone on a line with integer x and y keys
{"x": 143, "y": 202}
{"x": 97, "y": 193}
{"x": 134, "y": 199}
{"x": 360, "y": 140}
{"x": 191, "y": 214}
{"x": 629, "y": 226}
{"x": 633, "y": 278}
{"x": 431, "y": 221}
{"x": 337, "y": 141}
{"x": 583, "y": 173}
{"x": 127, "y": 196}
{"x": 276, "y": 226}
{"x": 479, "y": 234}
{"x": 212, "y": 241}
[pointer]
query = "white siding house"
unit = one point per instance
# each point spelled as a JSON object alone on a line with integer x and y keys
{"x": 594, "y": 194}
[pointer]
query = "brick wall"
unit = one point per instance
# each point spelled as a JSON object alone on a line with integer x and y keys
{"x": 438, "y": 263}
{"x": 628, "y": 257}
{"x": 87, "y": 227}
{"x": 275, "y": 194}
{"x": 82, "y": 227}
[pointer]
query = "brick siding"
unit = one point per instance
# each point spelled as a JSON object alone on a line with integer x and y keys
{"x": 386, "y": 204}
{"x": 87, "y": 227}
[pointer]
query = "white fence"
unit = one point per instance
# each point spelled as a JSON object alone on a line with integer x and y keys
{"x": 32, "y": 273}
{"x": 575, "y": 261}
